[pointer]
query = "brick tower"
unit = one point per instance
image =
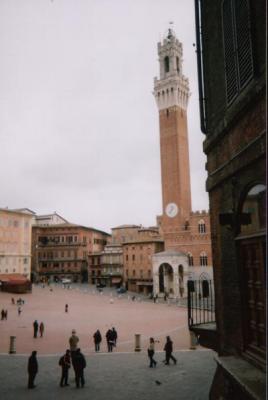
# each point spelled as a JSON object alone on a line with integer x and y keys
{"x": 171, "y": 92}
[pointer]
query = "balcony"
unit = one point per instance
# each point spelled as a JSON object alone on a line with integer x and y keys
{"x": 201, "y": 312}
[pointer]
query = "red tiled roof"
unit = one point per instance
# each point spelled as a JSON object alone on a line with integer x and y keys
{"x": 13, "y": 278}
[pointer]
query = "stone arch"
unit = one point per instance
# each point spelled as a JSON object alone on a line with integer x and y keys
{"x": 166, "y": 278}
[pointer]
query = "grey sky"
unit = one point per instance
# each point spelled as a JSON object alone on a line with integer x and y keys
{"x": 78, "y": 122}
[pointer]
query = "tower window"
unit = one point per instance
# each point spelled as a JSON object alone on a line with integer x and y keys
{"x": 177, "y": 64}
{"x": 166, "y": 63}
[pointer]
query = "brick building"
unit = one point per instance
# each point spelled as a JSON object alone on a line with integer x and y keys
{"x": 186, "y": 233}
{"x": 127, "y": 260}
{"x": 15, "y": 242}
{"x": 232, "y": 81}
{"x": 61, "y": 250}
{"x": 137, "y": 256}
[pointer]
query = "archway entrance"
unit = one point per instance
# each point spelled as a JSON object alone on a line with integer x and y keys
{"x": 166, "y": 279}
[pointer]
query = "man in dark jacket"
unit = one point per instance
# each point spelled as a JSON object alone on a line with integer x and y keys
{"x": 110, "y": 340}
{"x": 35, "y": 328}
{"x": 32, "y": 369}
{"x": 114, "y": 336}
{"x": 168, "y": 349}
{"x": 79, "y": 364}
{"x": 65, "y": 363}
{"x": 97, "y": 340}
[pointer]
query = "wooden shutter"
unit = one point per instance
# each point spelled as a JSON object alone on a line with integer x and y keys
{"x": 230, "y": 51}
{"x": 244, "y": 46}
{"x": 237, "y": 46}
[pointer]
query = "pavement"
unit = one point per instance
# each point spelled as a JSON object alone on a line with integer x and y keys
{"x": 89, "y": 310}
{"x": 113, "y": 376}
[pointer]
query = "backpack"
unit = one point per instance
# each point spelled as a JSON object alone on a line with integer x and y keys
{"x": 61, "y": 361}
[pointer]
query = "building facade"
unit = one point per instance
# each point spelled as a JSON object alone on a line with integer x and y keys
{"x": 231, "y": 44}
{"x": 106, "y": 267}
{"x": 138, "y": 264}
{"x": 184, "y": 231}
{"x": 15, "y": 242}
{"x": 61, "y": 250}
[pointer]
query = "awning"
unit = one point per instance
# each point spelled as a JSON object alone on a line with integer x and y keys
{"x": 140, "y": 283}
{"x": 116, "y": 280}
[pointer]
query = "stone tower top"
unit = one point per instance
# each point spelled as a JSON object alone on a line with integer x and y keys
{"x": 172, "y": 89}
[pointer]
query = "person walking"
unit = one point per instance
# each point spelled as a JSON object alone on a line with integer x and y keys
{"x": 66, "y": 308}
{"x": 65, "y": 363}
{"x": 169, "y": 349}
{"x": 41, "y": 329}
{"x": 73, "y": 341}
{"x": 79, "y": 364}
{"x": 97, "y": 340}
{"x": 109, "y": 339}
{"x": 151, "y": 351}
{"x": 32, "y": 369}
{"x": 35, "y": 328}
{"x": 19, "y": 310}
{"x": 114, "y": 336}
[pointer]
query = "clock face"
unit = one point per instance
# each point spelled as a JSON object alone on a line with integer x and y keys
{"x": 172, "y": 210}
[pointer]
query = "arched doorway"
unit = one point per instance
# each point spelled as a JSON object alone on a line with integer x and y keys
{"x": 181, "y": 280}
{"x": 251, "y": 249}
{"x": 166, "y": 279}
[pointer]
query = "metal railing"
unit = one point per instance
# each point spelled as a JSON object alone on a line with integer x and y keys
{"x": 201, "y": 302}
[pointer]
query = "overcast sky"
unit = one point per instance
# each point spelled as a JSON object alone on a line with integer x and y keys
{"x": 79, "y": 130}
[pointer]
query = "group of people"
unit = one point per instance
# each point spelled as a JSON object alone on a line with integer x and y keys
{"x": 37, "y": 327}
{"x": 168, "y": 349}
{"x": 111, "y": 339}
{"x": 75, "y": 357}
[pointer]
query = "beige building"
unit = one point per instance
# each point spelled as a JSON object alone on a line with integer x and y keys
{"x": 106, "y": 267}
{"x": 15, "y": 242}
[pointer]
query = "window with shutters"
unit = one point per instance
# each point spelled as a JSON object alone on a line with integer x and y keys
{"x": 237, "y": 47}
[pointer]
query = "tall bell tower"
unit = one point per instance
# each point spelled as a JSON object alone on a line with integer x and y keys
{"x": 171, "y": 92}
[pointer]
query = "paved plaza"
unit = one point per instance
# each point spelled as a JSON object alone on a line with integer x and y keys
{"x": 89, "y": 310}
{"x": 112, "y": 376}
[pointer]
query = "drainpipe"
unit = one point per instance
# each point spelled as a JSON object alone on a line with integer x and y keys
{"x": 200, "y": 71}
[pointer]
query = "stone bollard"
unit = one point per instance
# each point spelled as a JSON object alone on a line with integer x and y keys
{"x": 12, "y": 345}
{"x": 111, "y": 301}
{"x": 137, "y": 342}
{"x": 193, "y": 341}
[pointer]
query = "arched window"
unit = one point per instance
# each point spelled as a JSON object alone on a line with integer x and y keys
{"x": 253, "y": 215}
{"x": 166, "y": 63}
{"x": 201, "y": 226}
{"x": 190, "y": 260}
{"x": 203, "y": 259}
{"x": 177, "y": 64}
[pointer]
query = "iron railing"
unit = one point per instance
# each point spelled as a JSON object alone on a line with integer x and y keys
{"x": 201, "y": 302}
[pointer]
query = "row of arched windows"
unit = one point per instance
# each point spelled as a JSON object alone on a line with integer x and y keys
{"x": 203, "y": 259}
